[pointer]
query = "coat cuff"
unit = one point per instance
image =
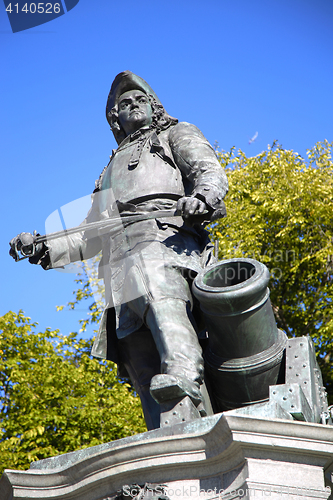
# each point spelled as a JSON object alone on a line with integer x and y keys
{"x": 213, "y": 199}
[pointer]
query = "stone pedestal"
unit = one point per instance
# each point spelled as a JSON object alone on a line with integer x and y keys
{"x": 227, "y": 456}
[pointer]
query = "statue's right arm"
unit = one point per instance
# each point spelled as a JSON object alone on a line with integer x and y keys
{"x": 63, "y": 250}
{"x": 75, "y": 247}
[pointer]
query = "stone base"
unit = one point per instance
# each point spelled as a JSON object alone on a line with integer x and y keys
{"x": 227, "y": 456}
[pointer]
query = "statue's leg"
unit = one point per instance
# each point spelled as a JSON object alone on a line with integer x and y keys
{"x": 163, "y": 301}
{"x": 141, "y": 359}
{"x": 172, "y": 327}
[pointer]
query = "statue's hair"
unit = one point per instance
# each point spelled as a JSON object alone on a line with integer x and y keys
{"x": 161, "y": 120}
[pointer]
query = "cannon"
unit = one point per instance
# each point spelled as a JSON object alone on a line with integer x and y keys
{"x": 245, "y": 351}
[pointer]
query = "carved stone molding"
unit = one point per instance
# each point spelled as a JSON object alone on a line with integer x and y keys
{"x": 215, "y": 457}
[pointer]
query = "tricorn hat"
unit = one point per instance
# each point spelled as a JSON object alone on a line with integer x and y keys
{"x": 124, "y": 82}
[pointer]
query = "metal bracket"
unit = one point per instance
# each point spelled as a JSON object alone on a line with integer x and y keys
{"x": 303, "y": 394}
{"x": 178, "y": 411}
{"x": 292, "y": 399}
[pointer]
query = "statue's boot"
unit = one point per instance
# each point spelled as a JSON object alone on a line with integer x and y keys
{"x": 169, "y": 346}
{"x": 173, "y": 329}
{"x": 165, "y": 387}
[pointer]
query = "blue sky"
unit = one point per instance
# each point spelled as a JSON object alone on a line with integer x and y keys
{"x": 230, "y": 67}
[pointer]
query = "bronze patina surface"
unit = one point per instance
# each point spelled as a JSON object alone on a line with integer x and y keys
{"x": 151, "y": 321}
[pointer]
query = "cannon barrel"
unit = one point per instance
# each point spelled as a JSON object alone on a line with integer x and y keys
{"x": 245, "y": 348}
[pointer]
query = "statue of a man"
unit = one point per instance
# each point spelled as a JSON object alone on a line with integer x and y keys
{"x": 151, "y": 323}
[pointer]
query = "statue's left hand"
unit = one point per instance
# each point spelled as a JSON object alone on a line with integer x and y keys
{"x": 189, "y": 205}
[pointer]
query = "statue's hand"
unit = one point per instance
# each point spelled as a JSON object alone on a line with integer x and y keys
{"x": 189, "y": 205}
{"x": 25, "y": 243}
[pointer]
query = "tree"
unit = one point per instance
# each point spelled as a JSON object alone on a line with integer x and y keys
{"x": 280, "y": 210}
{"x": 54, "y": 397}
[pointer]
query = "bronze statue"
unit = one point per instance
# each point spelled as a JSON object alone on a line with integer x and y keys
{"x": 151, "y": 322}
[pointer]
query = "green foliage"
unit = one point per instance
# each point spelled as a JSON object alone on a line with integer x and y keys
{"x": 54, "y": 397}
{"x": 280, "y": 210}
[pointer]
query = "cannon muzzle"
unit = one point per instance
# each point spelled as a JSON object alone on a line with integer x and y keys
{"x": 245, "y": 348}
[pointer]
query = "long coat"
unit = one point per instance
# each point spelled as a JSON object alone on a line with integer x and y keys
{"x": 149, "y": 171}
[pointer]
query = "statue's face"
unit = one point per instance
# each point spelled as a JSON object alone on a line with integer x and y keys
{"x": 134, "y": 111}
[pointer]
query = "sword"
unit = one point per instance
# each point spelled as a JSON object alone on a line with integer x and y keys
{"x": 102, "y": 226}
